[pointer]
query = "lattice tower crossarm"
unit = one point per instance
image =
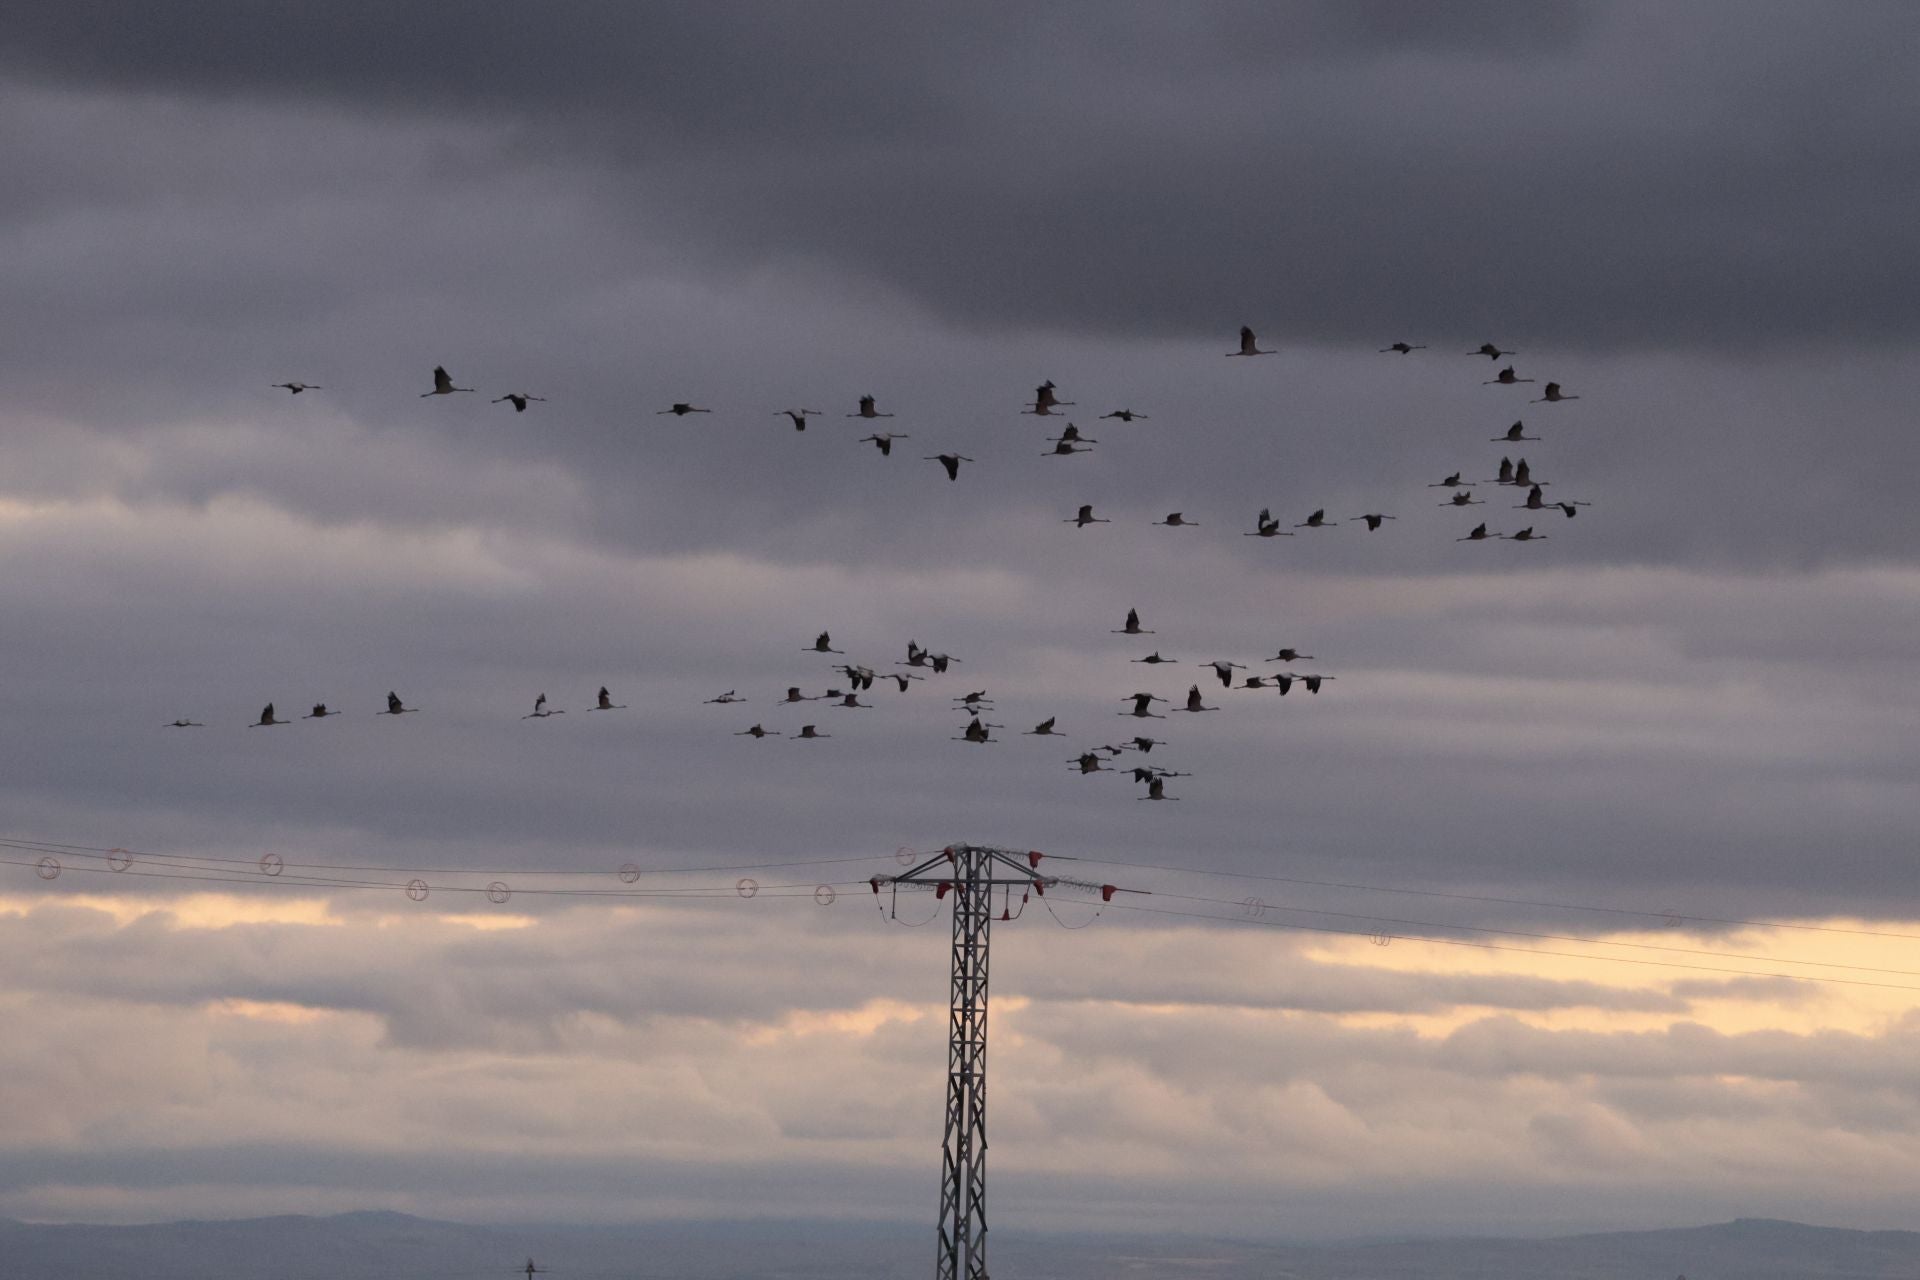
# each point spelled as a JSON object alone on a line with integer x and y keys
{"x": 970, "y": 873}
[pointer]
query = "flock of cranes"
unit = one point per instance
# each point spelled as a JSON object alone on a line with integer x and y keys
{"x": 920, "y": 662}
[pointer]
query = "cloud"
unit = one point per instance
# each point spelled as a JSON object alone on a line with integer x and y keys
{"x": 1686, "y": 701}
{"x": 253, "y": 1063}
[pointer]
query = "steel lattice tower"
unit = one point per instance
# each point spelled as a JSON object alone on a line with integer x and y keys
{"x": 970, "y": 873}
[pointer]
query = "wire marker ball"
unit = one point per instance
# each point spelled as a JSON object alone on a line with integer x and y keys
{"x": 825, "y": 895}
{"x": 47, "y": 868}
{"x": 629, "y": 872}
{"x": 119, "y": 859}
{"x": 747, "y": 887}
{"x": 497, "y": 892}
{"x": 905, "y": 855}
{"x": 417, "y": 889}
{"x": 1253, "y": 907}
{"x": 272, "y": 864}
{"x": 1380, "y": 939}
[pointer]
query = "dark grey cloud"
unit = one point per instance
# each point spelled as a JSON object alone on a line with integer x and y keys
{"x": 1634, "y": 177}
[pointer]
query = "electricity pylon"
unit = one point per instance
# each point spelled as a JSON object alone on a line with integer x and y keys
{"x": 971, "y": 873}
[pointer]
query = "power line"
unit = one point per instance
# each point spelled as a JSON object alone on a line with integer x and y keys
{"x": 270, "y": 872}
{"x": 189, "y": 859}
{"x": 271, "y": 880}
{"x": 1664, "y": 916}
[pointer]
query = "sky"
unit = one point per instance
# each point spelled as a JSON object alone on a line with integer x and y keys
{"x": 1666, "y": 751}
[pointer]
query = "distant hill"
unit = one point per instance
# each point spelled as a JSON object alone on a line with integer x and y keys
{"x": 392, "y": 1246}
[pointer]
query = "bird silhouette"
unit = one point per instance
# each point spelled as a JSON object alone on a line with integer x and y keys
{"x": 1177, "y": 520}
{"x": 1513, "y": 436}
{"x": 1490, "y": 351}
{"x": 756, "y": 731}
{"x": 1479, "y": 534}
{"x": 1044, "y": 729}
{"x": 1125, "y": 415}
{"x": 951, "y": 461}
{"x": 1194, "y": 703}
{"x": 394, "y": 707}
{"x": 603, "y": 701}
{"x": 977, "y": 732}
{"x": 823, "y": 643}
{"x": 319, "y": 712}
{"x": 680, "y": 410}
{"x": 808, "y": 731}
{"x": 884, "y": 441}
{"x": 1248, "y": 346}
{"x": 298, "y": 387}
{"x": 1267, "y": 527}
{"x": 1086, "y": 517}
{"x": 867, "y": 410}
{"x": 540, "y": 711}
{"x": 799, "y": 416}
{"x": 1373, "y": 519}
{"x": 185, "y": 724}
{"x": 1132, "y": 627}
{"x": 1504, "y": 378}
{"x": 1403, "y": 348}
{"x": 1552, "y": 395}
{"x": 442, "y": 384}
{"x": 723, "y": 699}
{"x": 1153, "y": 659}
{"x": 519, "y": 400}
{"x": 1318, "y": 520}
{"x": 1044, "y": 395}
{"x": 266, "y": 718}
